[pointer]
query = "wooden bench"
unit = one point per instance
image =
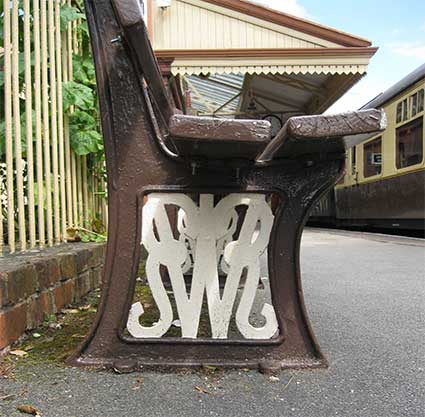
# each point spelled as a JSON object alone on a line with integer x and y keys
{"x": 220, "y": 175}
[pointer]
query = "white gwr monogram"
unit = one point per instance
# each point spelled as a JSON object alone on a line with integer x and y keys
{"x": 205, "y": 238}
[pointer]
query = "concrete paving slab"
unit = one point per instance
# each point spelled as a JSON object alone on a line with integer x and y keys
{"x": 366, "y": 299}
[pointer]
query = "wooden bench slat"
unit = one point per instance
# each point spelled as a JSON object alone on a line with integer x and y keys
{"x": 213, "y": 129}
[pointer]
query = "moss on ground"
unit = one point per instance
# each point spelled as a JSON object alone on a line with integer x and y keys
{"x": 55, "y": 340}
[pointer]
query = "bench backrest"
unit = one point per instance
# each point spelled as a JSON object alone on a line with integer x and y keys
{"x": 130, "y": 17}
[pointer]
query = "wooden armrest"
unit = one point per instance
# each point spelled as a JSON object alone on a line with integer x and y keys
{"x": 324, "y": 133}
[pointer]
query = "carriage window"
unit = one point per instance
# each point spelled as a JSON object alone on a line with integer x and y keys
{"x": 409, "y": 142}
{"x": 353, "y": 160}
{"x": 405, "y": 115}
{"x": 372, "y": 161}
{"x": 402, "y": 111}
{"x": 417, "y": 102}
{"x": 420, "y": 100}
{"x": 399, "y": 111}
{"x": 414, "y": 104}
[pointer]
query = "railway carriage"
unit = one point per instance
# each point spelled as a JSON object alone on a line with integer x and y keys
{"x": 384, "y": 184}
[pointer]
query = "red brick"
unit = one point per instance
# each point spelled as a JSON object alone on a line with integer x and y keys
{"x": 68, "y": 266}
{"x": 38, "y": 309}
{"x": 95, "y": 278}
{"x": 3, "y": 290}
{"x": 63, "y": 295}
{"x": 21, "y": 283}
{"x": 97, "y": 256}
{"x": 48, "y": 272}
{"x": 82, "y": 285}
{"x": 83, "y": 260}
{"x": 13, "y": 323}
{"x": 68, "y": 292}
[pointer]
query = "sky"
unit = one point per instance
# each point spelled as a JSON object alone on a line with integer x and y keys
{"x": 397, "y": 27}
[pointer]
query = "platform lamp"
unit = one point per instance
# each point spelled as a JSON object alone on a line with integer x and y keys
{"x": 252, "y": 107}
{"x": 163, "y": 4}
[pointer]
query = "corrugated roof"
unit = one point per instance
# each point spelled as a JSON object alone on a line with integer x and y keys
{"x": 217, "y": 89}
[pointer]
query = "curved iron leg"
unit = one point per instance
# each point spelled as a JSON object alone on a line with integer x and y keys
{"x": 299, "y": 188}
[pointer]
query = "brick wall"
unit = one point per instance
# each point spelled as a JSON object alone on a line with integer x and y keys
{"x": 36, "y": 284}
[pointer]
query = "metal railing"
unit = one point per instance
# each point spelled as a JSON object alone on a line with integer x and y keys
{"x": 45, "y": 186}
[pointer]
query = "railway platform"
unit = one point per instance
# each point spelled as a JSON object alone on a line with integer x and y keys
{"x": 365, "y": 294}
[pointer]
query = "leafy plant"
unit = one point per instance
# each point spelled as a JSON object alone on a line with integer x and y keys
{"x": 80, "y": 103}
{"x": 69, "y": 14}
{"x": 80, "y": 234}
{"x": 78, "y": 94}
{"x": 85, "y": 138}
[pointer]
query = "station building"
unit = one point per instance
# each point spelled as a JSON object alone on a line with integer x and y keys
{"x": 233, "y": 58}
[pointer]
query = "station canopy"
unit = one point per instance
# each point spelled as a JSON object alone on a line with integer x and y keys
{"x": 239, "y": 59}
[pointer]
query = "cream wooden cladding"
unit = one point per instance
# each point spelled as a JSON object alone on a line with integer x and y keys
{"x": 37, "y": 183}
{"x": 180, "y": 26}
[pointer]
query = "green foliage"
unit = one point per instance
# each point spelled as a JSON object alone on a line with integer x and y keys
{"x": 81, "y": 234}
{"x": 21, "y": 67}
{"x": 87, "y": 236}
{"x": 85, "y": 142}
{"x": 23, "y": 134}
{"x": 80, "y": 102}
{"x": 83, "y": 70}
{"x": 2, "y": 137}
{"x": 78, "y": 95}
{"x": 70, "y": 14}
